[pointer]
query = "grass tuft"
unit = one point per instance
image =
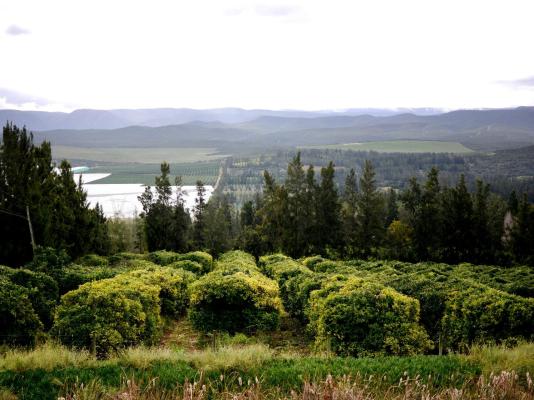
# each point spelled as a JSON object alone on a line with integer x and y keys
{"x": 495, "y": 359}
{"x": 47, "y": 357}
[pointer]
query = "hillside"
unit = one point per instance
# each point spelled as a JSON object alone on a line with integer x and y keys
{"x": 482, "y": 130}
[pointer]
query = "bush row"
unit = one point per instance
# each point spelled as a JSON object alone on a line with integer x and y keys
{"x": 381, "y": 307}
{"x": 235, "y": 297}
{"x": 126, "y": 310}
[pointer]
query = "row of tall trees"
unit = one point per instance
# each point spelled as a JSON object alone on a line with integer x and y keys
{"x": 169, "y": 225}
{"x": 309, "y": 214}
{"x": 41, "y": 204}
{"x": 427, "y": 221}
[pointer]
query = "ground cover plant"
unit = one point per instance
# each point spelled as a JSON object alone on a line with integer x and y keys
{"x": 180, "y": 318}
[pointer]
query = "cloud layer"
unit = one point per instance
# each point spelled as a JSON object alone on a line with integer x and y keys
{"x": 15, "y": 30}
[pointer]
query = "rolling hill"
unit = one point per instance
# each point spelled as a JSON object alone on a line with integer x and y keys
{"x": 483, "y": 130}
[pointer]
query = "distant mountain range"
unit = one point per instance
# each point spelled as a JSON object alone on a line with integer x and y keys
{"x": 232, "y": 130}
{"x": 113, "y": 119}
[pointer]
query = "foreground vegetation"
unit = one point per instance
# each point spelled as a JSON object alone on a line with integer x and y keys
{"x": 263, "y": 324}
{"x": 255, "y": 371}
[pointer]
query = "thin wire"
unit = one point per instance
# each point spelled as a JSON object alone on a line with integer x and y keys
{"x": 15, "y": 215}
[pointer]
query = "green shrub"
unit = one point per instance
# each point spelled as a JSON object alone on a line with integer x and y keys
{"x": 19, "y": 324}
{"x": 93, "y": 260}
{"x": 431, "y": 290}
{"x": 285, "y": 272}
{"x": 75, "y": 275}
{"x": 188, "y": 265}
{"x": 49, "y": 261}
{"x": 173, "y": 284}
{"x": 42, "y": 291}
{"x": 163, "y": 257}
{"x": 235, "y": 297}
{"x": 107, "y": 315}
{"x": 204, "y": 259}
{"x": 310, "y": 262}
{"x": 475, "y": 313}
{"x": 271, "y": 259}
{"x": 124, "y": 256}
{"x": 237, "y": 259}
{"x": 358, "y": 317}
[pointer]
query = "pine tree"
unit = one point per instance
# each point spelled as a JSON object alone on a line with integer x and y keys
{"x": 522, "y": 235}
{"x": 182, "y": 219}
{"x": 458, "y": 235}
{"x": 328, "y": 211}
{"x": 158, "y": 213}
{"x": 370, "y": 214}
{"x": 348, "y": 212}
{"x": 483, "y": 248}
{"x": 425, "y": 215}
{"x": 295, "y": 232}
{"x": 199, "y": 222}
{"x": 57, "y": 207}
{"x": 218, "y": 229}
{"x": 392, "y": 207}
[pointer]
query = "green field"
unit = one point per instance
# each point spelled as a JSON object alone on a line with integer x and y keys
{"x": 401, "y": 146}
{"x": 145, "y": 174}
{"x": 148, "y": 155}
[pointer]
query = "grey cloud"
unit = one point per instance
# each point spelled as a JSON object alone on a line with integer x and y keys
{"x": 233, "y": 12}
{"x": 520, "y": 83}
{"x": 276, "y": 11}
{"x": 15, "y": 30}
{"x": 16, "y": 98}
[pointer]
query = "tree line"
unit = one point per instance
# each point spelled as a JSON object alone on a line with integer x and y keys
{"x": 41, "y": 204}
{"x": 309, "y": 213}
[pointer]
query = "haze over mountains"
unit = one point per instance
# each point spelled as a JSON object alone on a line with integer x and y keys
{"x": 112, "y": 119}
{"x": 234, "y": 129}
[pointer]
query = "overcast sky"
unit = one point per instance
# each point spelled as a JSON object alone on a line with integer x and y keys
{"x": 61, "y": 55}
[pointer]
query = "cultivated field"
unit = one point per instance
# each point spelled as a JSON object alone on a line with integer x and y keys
{"x": 145, "y": 173}
{"x": 147, "y": 155}
{"x": 402, "y": 146}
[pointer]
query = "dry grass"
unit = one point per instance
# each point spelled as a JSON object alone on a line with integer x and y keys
{"x": 47, "y": 356}
{"x": 501, "y": 358}
{"x": 227, "y": 357}
{"x": 503, "y": 386}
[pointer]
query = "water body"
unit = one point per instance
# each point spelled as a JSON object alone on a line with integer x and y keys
{"x": 120, "y": 200}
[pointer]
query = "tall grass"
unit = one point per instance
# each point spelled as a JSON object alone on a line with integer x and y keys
{"x": 504, "y": 385}
{"x": 502, "y": 358}
{"x": 47, "y": 357}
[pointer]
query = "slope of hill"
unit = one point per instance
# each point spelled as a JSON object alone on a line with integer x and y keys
{"x": 121, "y": 118}
{"x": 484, "y": 130}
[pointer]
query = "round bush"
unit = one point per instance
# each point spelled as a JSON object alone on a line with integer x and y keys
{"x": 431, "y": 291}
{"x": 163, "y": 257}
{"x": 19, "y": 324}
{"x": 109, "y": 314}
{"x": 74, "y": 275}
{"x": 173, "y": 284}
{"x": 271, "y": 259}
{"x": 93, "y": 260}
{"x": 362, "y": 318}
{"x": 477, "y": 313}
{"x": 237, "y": 259}
{"x": 235, "y": 300}
{"x": 203, "y": 258}
{"x": 188, "y": 265}
{"x": 42, "y": 291}
{"x": 287, "y": 272}
{"x": 310, "y": 262}
{"x": 124, "y": 256}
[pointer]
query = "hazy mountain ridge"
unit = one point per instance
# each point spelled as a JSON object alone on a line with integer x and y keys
{"x": 121, "y": 118}
{"x": 477, "y": 129}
